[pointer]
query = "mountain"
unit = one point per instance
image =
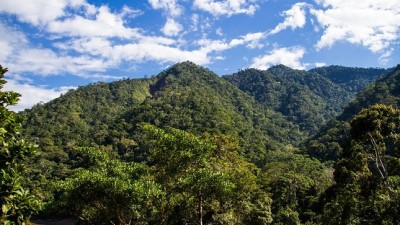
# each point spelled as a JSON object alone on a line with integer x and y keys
{"x": 305, "y": 98}
{"x": 187, "y": 144}
{"x": 185, "y": 96}
{"x": 328, "y": 143}
{"x": 352, "y": 79}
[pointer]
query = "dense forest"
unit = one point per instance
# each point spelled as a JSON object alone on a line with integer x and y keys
{"x": 278, "y": 146}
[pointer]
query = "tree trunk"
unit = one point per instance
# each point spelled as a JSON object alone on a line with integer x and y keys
{"x": 200, "y": 208}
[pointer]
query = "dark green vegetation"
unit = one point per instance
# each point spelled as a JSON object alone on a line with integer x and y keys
{"x": 305, "y": 98}
{"x": 327, "y": 144}
{"x": 17, "y": 203}
{"x": 189, "y": 147}
{"x": 349, "y": 78}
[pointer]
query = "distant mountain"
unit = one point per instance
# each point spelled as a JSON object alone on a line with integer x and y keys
{"x": 327, "y": 144}
{"x": 305, "y": 98}
{"x": 352, "y": 79}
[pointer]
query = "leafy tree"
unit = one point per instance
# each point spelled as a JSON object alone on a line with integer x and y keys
{"x": 295, "y": 183}
{"x": 367, "y": 176}
{"x": 17, "y": 204}
{"x": 205, "y": 179}
{"x": 108, "y": 191}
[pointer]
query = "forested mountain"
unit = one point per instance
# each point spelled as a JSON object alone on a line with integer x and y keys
{"x": 305, "y": 98}
{"x": 185, "y": 96}
{"x": 328, "y": 143}
{"x": 352, "y": 79}
{"x": 189, "y": 147}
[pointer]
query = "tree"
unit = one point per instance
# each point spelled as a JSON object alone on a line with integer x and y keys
{"x": 295, "y": 183}
{"x": 367, "y": 176}
{"x": 17, "y": 203}
{"x": 205, "y": 179}
{"x": 108, "y": 191}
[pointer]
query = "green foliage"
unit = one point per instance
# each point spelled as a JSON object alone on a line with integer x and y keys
{"x": 295, "y": 183}
{"x": 305, "y": 98}
{"x": 384, "y": 91}
{"x": 193, "y": 99}
{"x": 17, "y": 203}
{"x": 352, "y": 79}
{"x": 367, "y": 176}
{"x": 108, "y": 191}
{"x": 183, "y": 146}
{"x": 205, "y": 179}
{"x": 329, "y": 142}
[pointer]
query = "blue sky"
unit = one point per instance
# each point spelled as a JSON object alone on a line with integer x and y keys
{"x": 51, "y": 46}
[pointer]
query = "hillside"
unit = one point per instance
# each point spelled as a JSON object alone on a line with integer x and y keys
{"x": 189, "y": 145}
{"x": 329, "y": 142}
{"x": 352, "y": 79}
{"x": 305, "y": 98}
{"x": 185, "y": 96}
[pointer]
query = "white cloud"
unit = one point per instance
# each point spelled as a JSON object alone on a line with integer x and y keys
{"x": 105, "y": 24}
{"x": 219, "y": 32}
{"x": 385, "y": 57}
{"x": 195, "y": 22}
{"x": 39, "y": 11}
{"x": 171, "y": 28}
{"x": 87, "y": 40}
{"x": 294, "y": 18}
{"x": 286, "y": 56}
{"x": 31, "y": 95}
{"x": 226, "y": 7}
{"x": 251, "y": 40}
{"x": 159, "y": 53}
{"x": 47, "y": 62}
{"x": 72, "y": 17}
{"x": 171, "y": 7}
{"x": 10, "y": 41}
{"x": 370, "y": 23}
{"x": 319, "y": 64}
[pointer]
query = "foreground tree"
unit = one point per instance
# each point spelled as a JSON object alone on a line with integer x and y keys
{"x": 205, "y": 179}
{"x": 367, "y": 176}
{"x": 107, "y": 191}
{"x": 17, "y": 204}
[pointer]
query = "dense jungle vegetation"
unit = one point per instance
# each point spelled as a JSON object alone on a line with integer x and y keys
{"x": 186, "y": 146}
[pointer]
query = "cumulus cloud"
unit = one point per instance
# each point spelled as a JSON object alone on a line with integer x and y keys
{"x": 104, "y": 24}
{"x": 31, "y": 95}
{"x": 47, "y": 62}
{"x": 171, "y": 28}
{"x": 10, "y": 41}
{"x": 319, "y": 64}
{"x": 370, "y": 23}
{"x": 250, "y": 40}
{"x": 286, "y": 56}
{"x": 226, "y": 7}
{"x": 171, "y": 7}
{"x": 39, "y": 12}
{"x": 294, "y": 18}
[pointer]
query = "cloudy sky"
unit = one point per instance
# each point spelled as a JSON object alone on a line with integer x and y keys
{"x": 51, "y": 46}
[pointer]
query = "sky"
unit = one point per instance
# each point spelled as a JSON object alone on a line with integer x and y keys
{"x": 52, "y": 46}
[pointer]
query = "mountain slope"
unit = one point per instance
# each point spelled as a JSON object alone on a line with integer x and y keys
{"x": 184, "y": 96}
{"x": 352, "y": 79}
{"x": 305, "y": 98}
{"x": 328, "y": 143}
{"x": 192, "y": 98}
{"x": 80, "y": 116}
